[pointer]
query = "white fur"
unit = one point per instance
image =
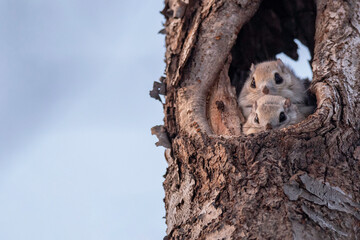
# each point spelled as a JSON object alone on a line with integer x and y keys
{"x": 292, "y": 87}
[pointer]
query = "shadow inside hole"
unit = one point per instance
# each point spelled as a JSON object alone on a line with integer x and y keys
{"x": 271, "y": 31}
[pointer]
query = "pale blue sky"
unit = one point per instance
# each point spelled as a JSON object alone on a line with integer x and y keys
{"x": 77, "y": 160}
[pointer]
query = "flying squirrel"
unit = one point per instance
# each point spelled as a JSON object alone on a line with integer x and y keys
{"x": 272, "y": 112}
{"x": 273, "y": 78}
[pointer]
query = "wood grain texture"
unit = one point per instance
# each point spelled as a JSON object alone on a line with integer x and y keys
{"x": 302, "y": 182}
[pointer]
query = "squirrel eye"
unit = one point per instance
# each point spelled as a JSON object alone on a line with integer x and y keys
{"x": 278, "y": 78}
{"x": 256, "y": 119}
{"x": 282, "y": 117}
{"x": 253, "y": 85}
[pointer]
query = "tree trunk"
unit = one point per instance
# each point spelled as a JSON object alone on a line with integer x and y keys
{"x": 301, "y": 182}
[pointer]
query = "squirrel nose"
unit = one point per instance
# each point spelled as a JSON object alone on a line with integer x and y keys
{"x": 265, "y": 90}
{"x": 268, "y": 126}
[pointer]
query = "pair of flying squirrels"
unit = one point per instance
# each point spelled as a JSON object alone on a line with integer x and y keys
{"x": 272, "y": 98}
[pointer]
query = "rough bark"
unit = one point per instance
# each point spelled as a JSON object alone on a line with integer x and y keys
{"x": 301, "y": 182}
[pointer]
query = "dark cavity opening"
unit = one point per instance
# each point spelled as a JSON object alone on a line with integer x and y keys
{"x": 271, "y": 31}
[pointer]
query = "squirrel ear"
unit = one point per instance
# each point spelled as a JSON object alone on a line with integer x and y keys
{"x": 287, "y": 103}
{"x": 252, "y": 68}
{"x": 280, "y": 63}
{"x": 255, "y": 105}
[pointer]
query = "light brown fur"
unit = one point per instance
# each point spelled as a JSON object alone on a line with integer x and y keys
{"x": 267, "y": 109}
{"x": 263, "y": 74}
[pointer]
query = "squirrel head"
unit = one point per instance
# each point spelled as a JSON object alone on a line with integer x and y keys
{"x": 272, "y": 112}
{"x": 271, "y": 77}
